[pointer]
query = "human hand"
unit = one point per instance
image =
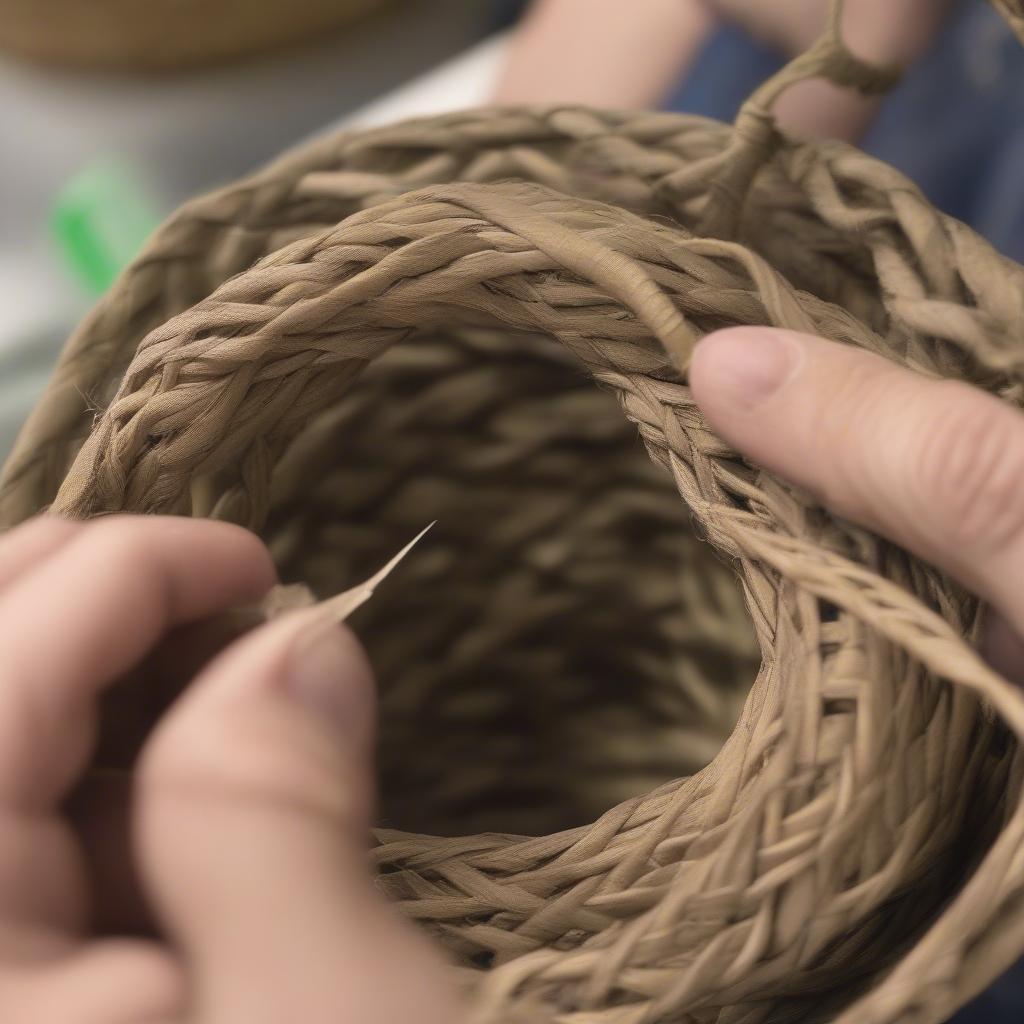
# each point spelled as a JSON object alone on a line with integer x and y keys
{"x": 881, "y": 31}
{"x": 936, "y": 466}
{"x": 250, "y": 813}
{"x": 886, "y": 33}
{"x": 586, "y": 51}
{"x": 601, "y": 68}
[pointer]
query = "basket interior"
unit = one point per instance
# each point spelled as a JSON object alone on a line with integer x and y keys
{"x": 561, "y": 640}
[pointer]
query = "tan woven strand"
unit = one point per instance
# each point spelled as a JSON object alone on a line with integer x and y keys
{"x": 663, "y": 741}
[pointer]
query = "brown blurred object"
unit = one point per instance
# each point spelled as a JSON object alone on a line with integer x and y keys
{"x": 165, "y": 35}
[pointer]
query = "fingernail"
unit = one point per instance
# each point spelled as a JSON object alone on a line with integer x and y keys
{"x": 320, "y": 676}
{"x": 749, "y": 364}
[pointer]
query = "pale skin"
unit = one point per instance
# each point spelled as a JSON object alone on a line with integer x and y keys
{"x": 606, "y": 53}
{"x": 230, "y": 884}
{"x": 251, "y": 807}
{"x": 249, "y": 815}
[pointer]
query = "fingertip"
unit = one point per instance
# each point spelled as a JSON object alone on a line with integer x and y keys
{"x": 329, "y": 675}
{"x": 293, "y": 656}
{"x": 272, "y": 684}
{"x": 738, "y": 369}
{"x": 245, "y": 550}
{"x": 253, "y": 556}
{"x": 256, "y": 792}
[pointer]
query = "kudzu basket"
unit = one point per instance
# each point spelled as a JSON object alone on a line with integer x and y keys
{"x": 663, "y": 740}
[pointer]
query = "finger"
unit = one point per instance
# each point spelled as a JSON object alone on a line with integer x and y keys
{"x": 1004, "y": 648}
{"x": 28, "y": 544}
{"x": 108, "y": 982}
{"x": 100, "y": 811}
{"x": 131, "y": 709}
{"x": 99, "y": 807}
{"x": 252, "y": 824}
{"x": 81, "y": 618}
{"x": 937, "y": 466}
{"x": 43, "y": 899}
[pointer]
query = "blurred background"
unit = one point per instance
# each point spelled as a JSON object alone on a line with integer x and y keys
{"x": 102, "y": 135}
{"x": 112, "y": 112}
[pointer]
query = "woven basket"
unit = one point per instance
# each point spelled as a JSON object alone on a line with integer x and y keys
{"x": 386, "y": 328}
{"x": 163, "y": 35}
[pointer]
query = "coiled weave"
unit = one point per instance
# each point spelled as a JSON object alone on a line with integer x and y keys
{"x": 663, "y": 740}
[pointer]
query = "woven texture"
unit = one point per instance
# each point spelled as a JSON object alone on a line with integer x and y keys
{"x": 163, "y": 35}
{"x": 711, "y": 754}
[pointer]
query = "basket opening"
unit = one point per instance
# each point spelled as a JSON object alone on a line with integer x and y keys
{"x": 561, "y": 640}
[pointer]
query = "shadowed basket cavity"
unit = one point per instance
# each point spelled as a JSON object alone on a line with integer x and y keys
{"x": 387, "y": 328}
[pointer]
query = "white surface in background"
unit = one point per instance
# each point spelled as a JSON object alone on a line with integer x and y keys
{"x": 185, "y": 133}
{"x": 466, "y": 81}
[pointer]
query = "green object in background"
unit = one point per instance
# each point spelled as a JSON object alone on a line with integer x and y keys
{"x": 100, "y": 219}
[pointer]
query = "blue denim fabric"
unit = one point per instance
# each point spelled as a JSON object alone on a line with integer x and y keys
{"x": 955, "y": 124}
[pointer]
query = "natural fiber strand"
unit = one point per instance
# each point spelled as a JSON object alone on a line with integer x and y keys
{"x": 586, "y": 801}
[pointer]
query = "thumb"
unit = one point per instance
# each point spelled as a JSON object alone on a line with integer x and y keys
{"x": 252, "y": 825}
{"x": 934, "y": 465}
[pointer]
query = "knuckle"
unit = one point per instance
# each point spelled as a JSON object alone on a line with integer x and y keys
{"x": 54, "y": 526}
{"x": 126, "y": 548}
{"x": 248, "y": 763}
{"x": 121, "y": 539}
{"x": 967, "y": 471}
{"x": 143, "y": 542}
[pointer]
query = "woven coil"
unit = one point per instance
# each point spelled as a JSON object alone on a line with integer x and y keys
{"x": 726, "y": 759}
